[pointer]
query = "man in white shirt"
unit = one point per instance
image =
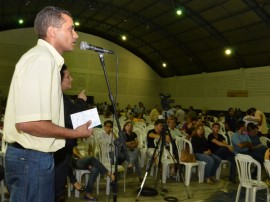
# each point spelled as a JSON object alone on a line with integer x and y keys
{"x": 175, "y": 132}
{"x": 34, "y": 118}
{"x": 180, "y": 114}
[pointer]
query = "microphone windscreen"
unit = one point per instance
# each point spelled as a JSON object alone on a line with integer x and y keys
{"x": 83, "y": 45}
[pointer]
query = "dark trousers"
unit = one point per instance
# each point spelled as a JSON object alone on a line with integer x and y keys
{"x": 62, "y": 160}
{"x": 225, "y": 154}
{"x": 95, "y": 167}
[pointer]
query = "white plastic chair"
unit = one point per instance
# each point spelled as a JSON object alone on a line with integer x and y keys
{"x": 245, "y": 164}
{"x": 264, "y": 140}
{"x": 167, "y": 160}
{"x": 222, "y": 128}
{"x": 141, "y": 125}
{"x": 267, "y": 167}
{"x": 79, "y": 174}
{"x": 230, "y": 134}
{"x": 207, "y": 131}
{"x": 222, "y": 165}
{"x": 181, "y": 143}
{"x": 105, "y": 148}
{"x": 96, "y": 134}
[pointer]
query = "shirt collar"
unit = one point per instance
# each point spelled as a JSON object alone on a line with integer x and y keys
{"x": 58, "y": 58}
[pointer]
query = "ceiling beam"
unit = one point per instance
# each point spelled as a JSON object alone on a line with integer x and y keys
{"x": 253, "y": 5}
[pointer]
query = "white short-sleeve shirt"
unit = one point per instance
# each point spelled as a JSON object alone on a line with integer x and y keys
{"x": 35, "y": 94}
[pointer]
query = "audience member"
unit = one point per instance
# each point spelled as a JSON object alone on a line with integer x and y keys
{"x": 190, "y": 132}
{"x": 230, "y": 120}
{"x": 109, "y": 135}
{"x": 247, "y": 118}
{"x": 259, "y": 117}
{"x": 219, "y": 147}
{"x": 141, "y": 108}
{"x": 191, "y": 113}
{"x": 198, "y": 121}
{"x": 133, "y": 151}
{"x": 155, "y": 135}
{"x": 128, "y": 109}
{"x": 242, "y": 143}
{"x": 138, "y": 118}
{"x": 267, "y": 155}
{"x": 62, "y": 157}
{"x": 94, "y": 166}
{"x": 179, "y": 114}
{"x": 175, "y": 132}
{"x": 169, "y": 112}
{"x": 154, "y": 114}
{"x": 254, "y": 135}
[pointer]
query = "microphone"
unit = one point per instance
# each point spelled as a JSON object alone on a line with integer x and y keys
{"x": 86, "y": 46}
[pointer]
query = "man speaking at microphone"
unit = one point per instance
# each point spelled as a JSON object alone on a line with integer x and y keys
{"x": 34, "y": 118}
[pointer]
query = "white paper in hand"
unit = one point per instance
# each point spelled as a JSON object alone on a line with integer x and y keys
{"x": 81, "y": 118}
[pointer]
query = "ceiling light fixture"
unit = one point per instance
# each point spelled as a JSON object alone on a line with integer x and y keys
{"x": 20, "y": 21}
{"x": 77, "y": 23}
{"x": 124, "y": 37}
{"x": 179, "y": 11}
{"x": 228, "y": 51}
{"x": 164, "y": 64}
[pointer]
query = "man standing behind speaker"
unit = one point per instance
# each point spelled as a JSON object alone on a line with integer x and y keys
{"x": 258, "y": 117}
{"x": 34, "y": 118}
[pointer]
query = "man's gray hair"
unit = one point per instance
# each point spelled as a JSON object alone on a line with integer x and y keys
{"x": 49, "y": 16}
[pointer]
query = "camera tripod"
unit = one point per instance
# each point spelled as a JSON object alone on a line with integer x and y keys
{"x": 162, "y": 141}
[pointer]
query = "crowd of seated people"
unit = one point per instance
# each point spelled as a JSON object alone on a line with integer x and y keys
{"x": 211, "y": 149}
{"x": 242, "y": 132}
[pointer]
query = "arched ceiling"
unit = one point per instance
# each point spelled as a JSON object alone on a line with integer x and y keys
{"x": 190, "y": 44}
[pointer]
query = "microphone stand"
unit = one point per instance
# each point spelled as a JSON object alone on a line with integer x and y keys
{"x": 120, "y": 141}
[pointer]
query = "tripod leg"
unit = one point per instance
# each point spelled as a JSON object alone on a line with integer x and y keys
{"x": 180, "y": 170}
{"x": 139, "y": 193}
{"x": 147, "y": 171}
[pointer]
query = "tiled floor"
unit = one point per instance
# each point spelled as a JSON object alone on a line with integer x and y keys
{"x": 223, "y": 191}
{"x": 194, "y": 192}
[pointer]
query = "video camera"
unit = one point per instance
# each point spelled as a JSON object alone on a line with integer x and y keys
{"x": 165, "y": 101}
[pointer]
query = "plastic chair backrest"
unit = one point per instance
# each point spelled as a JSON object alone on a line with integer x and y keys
{"x": 245, "y": 164}
{"x": 167, "y": 154}
{"x": 140, "y": 124}
{"x": 179, "y": 143}
{"x": 105, "y": 147}
{"x": 267, "y": 167}
{"x": 207, "y": 131}
{"x": 264, "y": 140}
{"x": 222, "y": 128}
